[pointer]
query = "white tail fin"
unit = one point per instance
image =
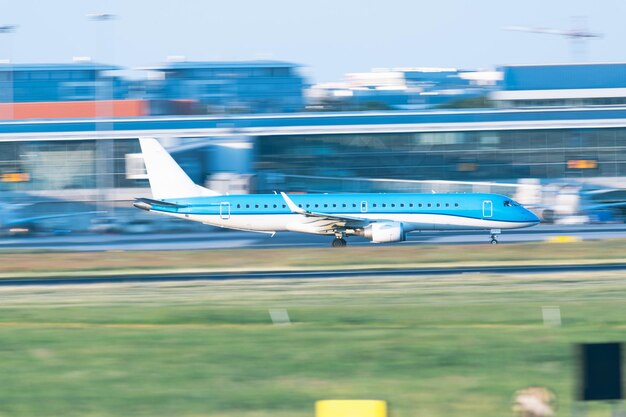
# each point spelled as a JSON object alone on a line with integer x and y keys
{"x": 167, "y": 178}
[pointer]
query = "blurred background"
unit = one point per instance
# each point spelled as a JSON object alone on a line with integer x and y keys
{"x": 527, "y": 101}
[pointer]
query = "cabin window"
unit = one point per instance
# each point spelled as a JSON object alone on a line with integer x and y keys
{"x": 374, "y": 205}
{"x": 299, "y": 205}
{"x": 429, "y": 204}
{"x": 438, "y": 205}
{"x": 384, "y": 205}
{"x": 393, "y": 205}
{"x": 265, "y": 206}
{"x": 334, "y": 205}
{"x": 308, "y": 205}
{"x": 285, "y": 206}
{"x": 353, "y": 204}
{"x": 247, "y": 205}
{"x": 401, "y": 204}
{"x": 456, "y": 204}
{"x": 275, "y": 206}
{"x": 238, "y": 205}
{"x": 256, "y": 206}
{"x": 325, "y": 205}
{"x": 344, "y": 204}
{"x": 411, "y": 205}
{"x": 317, "y": 205}
{"x": 447, "y": 204}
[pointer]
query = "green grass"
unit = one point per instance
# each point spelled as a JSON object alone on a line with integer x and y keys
{"x": 431, "y": 346}
{"x": 28, "y": 263}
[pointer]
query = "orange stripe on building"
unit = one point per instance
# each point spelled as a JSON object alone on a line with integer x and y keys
{"x": 73, "y": 109}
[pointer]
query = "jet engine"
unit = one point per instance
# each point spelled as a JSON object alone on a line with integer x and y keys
{"x": 384, "y": 232}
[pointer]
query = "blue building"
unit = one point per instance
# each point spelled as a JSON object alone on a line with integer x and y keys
{"x": 231, "y": 87}
{"x": 584, "y": 84}
{"x": 81, "y": 81}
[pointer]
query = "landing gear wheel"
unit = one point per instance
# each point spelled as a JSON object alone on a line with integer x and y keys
{"x": 339, "y": 243}
{"x": 494, "y": 235}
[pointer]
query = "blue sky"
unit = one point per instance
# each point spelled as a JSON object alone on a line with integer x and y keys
{"x": 328, "y": 37}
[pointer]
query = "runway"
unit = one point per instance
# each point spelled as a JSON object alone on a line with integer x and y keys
{"x": 229, "y": 239}
{"x": 311, "y": 274}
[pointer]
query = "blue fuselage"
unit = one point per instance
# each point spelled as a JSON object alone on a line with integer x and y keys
{"x": 270, "y": 212}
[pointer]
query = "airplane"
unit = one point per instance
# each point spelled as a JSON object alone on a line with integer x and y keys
{"x": 380, "y": 218}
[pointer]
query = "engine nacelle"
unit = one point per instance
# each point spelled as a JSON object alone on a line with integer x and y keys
{"x": 384, "y": 232}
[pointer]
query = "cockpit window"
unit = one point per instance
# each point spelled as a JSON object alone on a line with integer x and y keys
{"x": 507, "y": 203}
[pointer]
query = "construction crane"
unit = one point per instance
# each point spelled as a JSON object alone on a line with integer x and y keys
{"x": 7, "y": 28}
{"x": 576, "y": 36}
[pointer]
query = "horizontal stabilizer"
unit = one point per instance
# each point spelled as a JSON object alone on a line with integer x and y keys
{"x": 148, "y": 203}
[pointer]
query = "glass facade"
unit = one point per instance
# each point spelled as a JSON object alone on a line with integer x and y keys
{"x": 65, "y": 165}
{"x": 234, "y": 88}
{"x": 461, "y": 156}
{"x": 284, "y": 162}
{"x": 23, "y": 83}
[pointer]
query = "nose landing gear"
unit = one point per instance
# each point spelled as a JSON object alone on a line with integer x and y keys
{"x": 494, "y": 236}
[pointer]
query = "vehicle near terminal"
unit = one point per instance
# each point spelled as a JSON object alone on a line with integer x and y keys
{"x": 380, "y": 218}
{"x": 14, "y": 222}
{"x": 573, "y": 201}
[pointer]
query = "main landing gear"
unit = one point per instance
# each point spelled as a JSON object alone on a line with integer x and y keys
{"x": 339, "y": 241}
{"x": 494, "y": 235}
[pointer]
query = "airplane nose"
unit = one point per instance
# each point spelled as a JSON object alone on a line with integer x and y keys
{"x": 532, "y": 217}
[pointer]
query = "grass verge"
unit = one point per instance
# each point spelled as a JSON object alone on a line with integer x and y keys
{"x": 431, "y": 346}
{"x": 19, "y": 263}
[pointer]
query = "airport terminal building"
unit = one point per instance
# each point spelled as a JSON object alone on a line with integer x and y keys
{"x": 296, "y": 152}
{"x": 95, "y": 157}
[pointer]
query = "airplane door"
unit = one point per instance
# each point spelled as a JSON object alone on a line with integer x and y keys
{"x": 225, "y": 211}
{"x": 363, "y": 206}
{"x": 487, "y": 208}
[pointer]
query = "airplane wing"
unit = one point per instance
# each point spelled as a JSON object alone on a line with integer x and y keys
{"x": 326, "y": 222}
